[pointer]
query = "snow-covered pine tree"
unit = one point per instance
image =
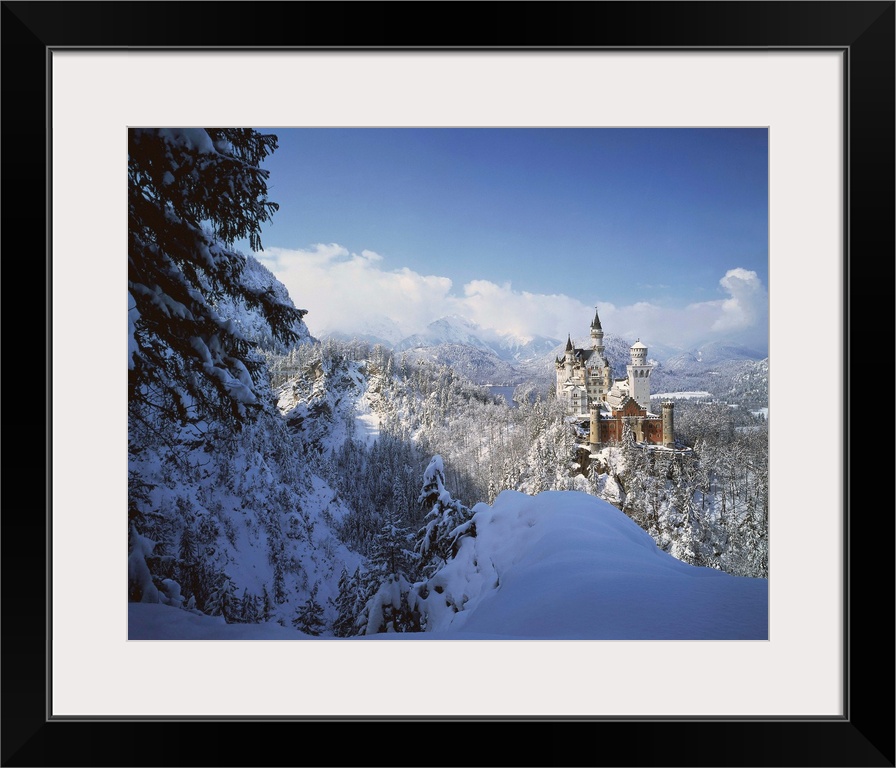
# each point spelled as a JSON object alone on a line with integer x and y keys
{"x": 280, "y": 595}
{"x": 138, "y": 497}
{"x": 223, "y": 600}
{"x": 446, "y": 522}
{"x": 187, "y": 548}
{"x": 309, "y": 616}
{"x": 141, "y": 588}
{"x": 249, "y": 608}
{"x": 187, "y": 567}
{"x": 191, "y": 193}
{"x": 628, "y": 436}
{"x": 386, "y": 584}
{"x": 266, "y": 609}
{"x": 348, "y": 604}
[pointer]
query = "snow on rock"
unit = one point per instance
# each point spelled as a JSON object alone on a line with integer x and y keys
{"x": 331, "y": 402}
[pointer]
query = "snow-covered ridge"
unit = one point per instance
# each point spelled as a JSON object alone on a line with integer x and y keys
{"x": 330, "y": 401}
{"x": 248, "y": 321}
{"x": 560, "y": 564}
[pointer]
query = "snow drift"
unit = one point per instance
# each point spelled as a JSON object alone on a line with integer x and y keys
{"x": 560, "y": 565}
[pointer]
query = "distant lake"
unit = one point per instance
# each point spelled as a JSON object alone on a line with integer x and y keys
{"x": 506, "y": 393}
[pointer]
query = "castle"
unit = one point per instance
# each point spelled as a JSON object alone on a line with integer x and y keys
{"x": 612, "y": 406}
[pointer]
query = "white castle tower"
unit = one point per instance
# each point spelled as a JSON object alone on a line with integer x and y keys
{"x": 639, "y": 375}
{"x": 597, "y": 335}
{"x": 597, "y": 378}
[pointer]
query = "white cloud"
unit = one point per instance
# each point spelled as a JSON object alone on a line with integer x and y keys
{"x": 347, "y": 291}
{"x": 742, "y": 317}
{"x": 748, "y": 301}
{"x": 341, "y": 289}
{"x": 641, "y": 320}
{"x": 522, "y": 313}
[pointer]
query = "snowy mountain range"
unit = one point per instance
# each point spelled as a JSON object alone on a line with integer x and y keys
{"x": 728, "y": 372}
{"x": 452, "y": 330}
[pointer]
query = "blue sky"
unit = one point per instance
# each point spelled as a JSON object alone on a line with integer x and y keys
{"x": 524, "y": 230}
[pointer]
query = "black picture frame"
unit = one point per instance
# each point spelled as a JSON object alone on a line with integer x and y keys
{"x": 864, "y": 31}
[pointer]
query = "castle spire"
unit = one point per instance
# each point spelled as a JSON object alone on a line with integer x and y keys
{"x": 569, "y": 343}
{"x": 597, "y": 335}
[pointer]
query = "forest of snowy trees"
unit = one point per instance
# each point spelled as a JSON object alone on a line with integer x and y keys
{"x": 707, "y": 506}
{"x": 325, "y": 485}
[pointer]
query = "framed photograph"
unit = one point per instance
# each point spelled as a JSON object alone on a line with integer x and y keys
{"x": 817, "y": 76}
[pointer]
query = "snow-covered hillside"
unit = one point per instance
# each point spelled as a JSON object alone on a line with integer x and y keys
{"x": 737, "y": 380}
{"x": 259, "y": 280}
{"x": 558, "y": 565}
{"x": 283, "y": 521}
{"x": 240, "y": 525}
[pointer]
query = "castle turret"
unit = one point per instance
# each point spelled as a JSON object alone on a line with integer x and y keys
{"x": 594, "y": 431}
{"x": 639, "y": 375}
{"x": 597, "y": 335}
{"x": 668, "y": 424}
{"x": 570, "y": 355}
{"x": 639, "y": 353}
